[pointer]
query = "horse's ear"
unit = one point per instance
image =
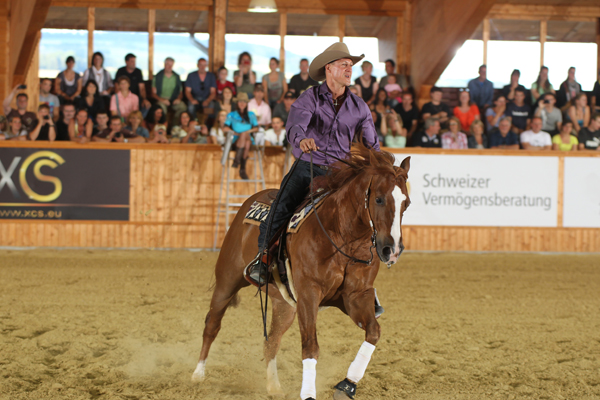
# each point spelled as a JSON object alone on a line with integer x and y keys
{"x": 405, "y": 165}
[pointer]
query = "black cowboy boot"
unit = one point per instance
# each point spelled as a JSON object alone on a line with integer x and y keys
{"x": 243, "y": 173}
{"x": 257, "y": 269}
{"x": 378, "y": 308}
{"x": 239, "y": 155}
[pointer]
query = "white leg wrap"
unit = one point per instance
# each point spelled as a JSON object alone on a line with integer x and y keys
{"x": 359, "y": 365}
{"x": 199, "y": 373}
{"x": 309, "y": 377}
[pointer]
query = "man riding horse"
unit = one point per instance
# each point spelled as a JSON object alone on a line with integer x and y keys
{"x": 325, "y": 117}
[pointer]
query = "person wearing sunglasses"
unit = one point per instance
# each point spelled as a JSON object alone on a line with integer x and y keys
{"x": 201, "y": 90}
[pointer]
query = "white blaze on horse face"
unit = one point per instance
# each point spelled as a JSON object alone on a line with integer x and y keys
{"x": 396, "y": 233}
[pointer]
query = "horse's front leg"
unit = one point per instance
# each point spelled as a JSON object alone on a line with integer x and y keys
{"x": 360, "y": 308}
{"x": 307, "y": 309}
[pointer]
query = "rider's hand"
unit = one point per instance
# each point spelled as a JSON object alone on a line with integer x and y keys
{"x": 308, "y": 145}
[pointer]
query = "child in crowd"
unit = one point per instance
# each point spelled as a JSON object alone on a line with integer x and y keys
{"x": 394, "y": 91}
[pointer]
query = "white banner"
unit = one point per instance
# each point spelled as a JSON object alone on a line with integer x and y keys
{"x": 581, "y": 207}
{"x": 477, "y": 190}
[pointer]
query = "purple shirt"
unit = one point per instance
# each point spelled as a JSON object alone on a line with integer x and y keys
{"x": 313, "y": 116}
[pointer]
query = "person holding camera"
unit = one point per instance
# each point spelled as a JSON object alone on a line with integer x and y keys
{"x": 44, "y": 129}
{"x": 28, "y": 118}
{"x": 244, "y": 77}
{"x": 551, "y": 116}
{"x": 116, "y": 133}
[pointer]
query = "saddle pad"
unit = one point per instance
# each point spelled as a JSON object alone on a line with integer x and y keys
{"x": 307, "y": 208}
{"x": 257, "y": 213}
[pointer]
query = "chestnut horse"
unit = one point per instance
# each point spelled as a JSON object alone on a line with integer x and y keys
{"x": 368, "y": 194}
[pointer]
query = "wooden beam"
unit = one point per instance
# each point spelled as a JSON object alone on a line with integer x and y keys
{"x": 486, "y": 39}
{"x": 211, "y": 39}
{"x": 91, "y": 26}
{"x": 219, "y": 26}
{"x": 342, "y": 27}
{"x": 543, "y": 34}
{"x": 400, "y": 45}
{"x": 408, "y": 24}
{"x": 32, "y": 79}
{"x": 544, "y": 12}
{"x": 282, "y": 33}
{"x": 5, "y": 75}
{"x": 151, "y": 29}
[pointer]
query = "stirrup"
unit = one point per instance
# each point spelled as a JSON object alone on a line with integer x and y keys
{"x": 256, "y": 271}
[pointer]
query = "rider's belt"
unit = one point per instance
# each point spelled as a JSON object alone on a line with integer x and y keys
{"x": 323, "y": 167}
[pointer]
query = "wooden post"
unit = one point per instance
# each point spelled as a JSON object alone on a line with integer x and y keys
{"x": 219, "y": 26}
{"x": 32, "y": 79}
{"x": 282, "y": 33}
{"x": 400, "y": 45}
{"x": 407, "y": 38}
{"x": 486, "y": 38}
{"x": 151, "y": 29}
{"x": 211, "y": 40}
{"x": 342, "y": 27}
{"x": 91, "y": 27}
{"x": 543, "y": 34}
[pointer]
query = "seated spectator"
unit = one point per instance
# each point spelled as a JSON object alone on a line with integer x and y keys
{"x": 218, "y": 132}
{"x": 101, "y": 122}
{"x": 166, "y": 90}
{"x": 97, "y": 73}
{"x": 116, "y": 133}
{"x": 482, "y": 90}
{"x": 536, "y": 138}
{"x": 476, "y": 138}
{"x": 354, "y": 90}
{"x": 394, "y": 91}
{"x": 595, "y": 105}
{"x": 276, "y": 136}
{"x": 390, "y": 69}
{"x": 3, "y": 124}
{"x": 299, "y": 83}
{"x": 519, "y": 112}
{"x": 579, "y": 112}
{"x": 244, "y": 124}
{"x": 409, "y": 113}
{"x": 81, "y": 127}
{"x": 200, "y": 136}
{"x": 589, "y": 138}
{"x": 367, "y": 83}
{"x": 62, "y": 125}
{"x": 282, "y": 110}
{"x": 136, "y": 81}
{"x": 274, "y": 83}
{"x": 14, "y": 130}
{"x": 436, "y": 108}
{"x": 568, "y": 90}
{"x": 123, "y": 102}
{"x": 185, "y": 128}
{"x": 222, "y": 82}
{"x": 565, "y": 141}
{"x": 244, "y": 78}
{"x": 503, "y": 137}
{"x": 201, "y": 90}
{"x": 466, "y": 111}
{"x": 156, "y": 124}
{"x": 225, "y": 103}
{"x": 48, "y": 98}
{"x": 91, "y": 100}
{"x": 28, "y": 118}
{"x": 134, "y": 125}
{"x": 380, "y": 108}
{"x": 393, "y": 132}
{"x": 454, "y": 138}
{"x": 44, "y": 129}
{"x": 67, "y": 85}
{"x": 429, "y": 137}
{"x": 541, "y": 86}
{"x": 550, "y": 115}
{"x": 495, "y": 114}
{"x": 260, "y": 108}
{"x": 509, "y": 90}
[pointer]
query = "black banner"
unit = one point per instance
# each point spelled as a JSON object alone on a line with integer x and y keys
{"x": 75, "y": 184}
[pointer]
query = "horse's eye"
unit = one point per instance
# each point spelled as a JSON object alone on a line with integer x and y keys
{"x": 379, "y": 201}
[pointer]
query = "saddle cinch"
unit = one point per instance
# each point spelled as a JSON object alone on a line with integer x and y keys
{"x": 280, "y": 264}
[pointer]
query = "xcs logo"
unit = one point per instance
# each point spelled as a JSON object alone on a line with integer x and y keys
{"x": 36, "y": 161}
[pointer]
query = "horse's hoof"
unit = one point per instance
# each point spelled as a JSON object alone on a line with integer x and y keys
{"x": 339, "y": 395}
{"x": 199, "y": 374}
{"x": 275, "y": 391}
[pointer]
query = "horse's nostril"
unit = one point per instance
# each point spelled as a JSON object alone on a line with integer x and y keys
{"x": 387, "y": 252}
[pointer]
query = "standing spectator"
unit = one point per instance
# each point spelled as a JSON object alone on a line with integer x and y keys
{"x": 14, "y": 131}
{"x": 276, "y": 136}
{"x": 244, "y": 78}
{"x": 166, "y": 90}
{"x": 244, "y": 124}
{"x": 429, "y": 137}
{"x": 568, "y": 90}
{"x": 436, "y": 108}
{"x": 97, "y": 73}
{"x": 282, "y": 110}
{"x": 551, "y": 116}
{"x": 367, "y": 83}
{"x": 589, "y": 138}
{"x": 509, "y": 90}
{"x": 541, "y": 86}
{"x": 519, "y": 112}
{"x": 565, "y": 141}
{"x": 299, "y": 83}
{"x": 28, "y": 118}
{"x": 260, "y": 108}
{"x": 91, "y": 100}
{"x": 62, "y": 125}
{"x": 218, "y": 132}
{"x": 409, "y": 113}
{"x": 380, "y": 108}
{"x": 67, "y": 84}
{"x": 185, "y": 128}
{"x": 134, "y": 125}
{"x": 222, "y": 82}
{"x": 81, "y": 127}
{"x": 390, "y": 69}
{"x": 123, "y": 102}
{"x": 393, "y": 132}
{"x": 116, "y": 133}
{"x": 274, "y": 83}
{"x": 394, "y": 91}
{"x": 200, "y": 90}
{"x": 136, "y": 81}
{"x": 536, "y": 138}
{"x": 44, "y": 129}
{"x": 48, "y": 98}
{"x": 454, "y": 138}
{"x": 466, "y": 111}
{"x": 503, "y": 138}
{"x": 482, "y": 90}
{"x": 579, "y": 112}
{"x": 476, "y": 138}
{"x": 495, "y": 114}
{"x": 225, "y": 103}
{"x": 596, "y": 96}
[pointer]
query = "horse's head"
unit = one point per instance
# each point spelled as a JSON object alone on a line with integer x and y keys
{"x": 388, "y": 200}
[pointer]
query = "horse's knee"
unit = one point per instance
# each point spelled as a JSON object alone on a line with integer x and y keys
{"x": 373, "y": 332}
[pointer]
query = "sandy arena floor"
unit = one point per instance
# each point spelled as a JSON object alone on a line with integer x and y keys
{"x": 128, "y": 325}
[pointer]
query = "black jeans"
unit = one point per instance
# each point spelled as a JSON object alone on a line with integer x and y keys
{"x": 294, "y": 192}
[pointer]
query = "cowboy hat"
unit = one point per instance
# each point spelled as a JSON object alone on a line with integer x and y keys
{"x": 334, "y": 52}
{"x": 242, "y": 96}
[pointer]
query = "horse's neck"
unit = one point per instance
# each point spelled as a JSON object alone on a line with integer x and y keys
{"x": 346, "y": 208}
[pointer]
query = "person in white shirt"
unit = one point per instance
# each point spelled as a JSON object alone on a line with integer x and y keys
{"x": 276, "y": 135}
{"x": 218, "y": 133}
{"x": 536, "y": 138}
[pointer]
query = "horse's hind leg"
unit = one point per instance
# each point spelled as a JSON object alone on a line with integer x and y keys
{"x": 283, "y": 316}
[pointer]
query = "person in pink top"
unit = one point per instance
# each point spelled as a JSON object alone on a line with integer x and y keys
{"x": 454, "y": 138}
{"x": 124, "y": 102}
{"x": 466, "y": 112}
{"x": 393, "y": 90}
